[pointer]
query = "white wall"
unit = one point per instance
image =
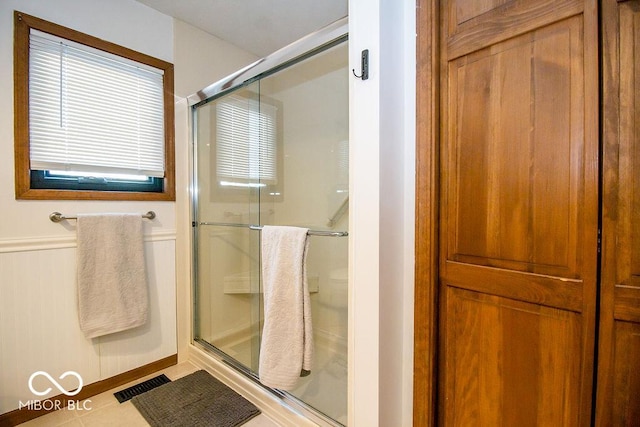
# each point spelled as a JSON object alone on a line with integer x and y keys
{"x": 364, "y": 216}
{"x": 202, "y": 59}
{"x": 38, "y": 315}
{"x": 397, "y": 172}
{"x": 382, "y": 216}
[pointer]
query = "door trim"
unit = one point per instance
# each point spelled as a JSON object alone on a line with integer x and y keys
{"x": 426, "y": 239}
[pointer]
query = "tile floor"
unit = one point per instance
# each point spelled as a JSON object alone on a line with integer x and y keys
{"x": 106, "y": 411}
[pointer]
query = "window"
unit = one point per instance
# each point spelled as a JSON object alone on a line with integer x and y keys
{"x": 93, "y": 120}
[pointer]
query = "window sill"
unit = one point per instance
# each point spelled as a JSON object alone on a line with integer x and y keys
{"x": 33, "y": 194}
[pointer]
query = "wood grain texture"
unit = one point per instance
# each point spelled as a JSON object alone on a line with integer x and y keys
{"x": 473, "y": 25}
{"x": 618, "y": 393}
{"x": 507, "y": 364}
{"x": 626, "y": 390}
{"x": 426, "y": 281}
{"x": 534, "y": 288}
{"x": 21, "y": 104}
{"x": 516, "y": 135}
{"x": 519, "y": 212}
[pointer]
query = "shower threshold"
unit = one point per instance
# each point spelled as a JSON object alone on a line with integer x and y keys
{"x": 287, "y": 399}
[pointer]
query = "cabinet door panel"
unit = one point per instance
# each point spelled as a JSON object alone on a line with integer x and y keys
{"x": 518, "y": 212}
{"x": 507, "y": 363}
{"x": 618, "y": 394}
{"x": 516, "y": 153}
{"x": 473, "y": 24}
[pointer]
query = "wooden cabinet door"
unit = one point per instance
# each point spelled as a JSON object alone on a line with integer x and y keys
{"x": 518, "y": 212}
{"x": 618, "y": 390}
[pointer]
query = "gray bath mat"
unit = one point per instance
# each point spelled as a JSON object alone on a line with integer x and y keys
{"x": 197, "y": 400}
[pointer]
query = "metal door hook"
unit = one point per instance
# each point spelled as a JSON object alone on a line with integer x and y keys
{"x": 364, "y": 64}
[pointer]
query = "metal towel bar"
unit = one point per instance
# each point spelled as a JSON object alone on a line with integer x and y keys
{"x": 259, "y": 227}
{"x": 57, "y": 216}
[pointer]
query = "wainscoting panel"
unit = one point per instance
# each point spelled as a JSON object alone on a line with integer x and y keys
{"x": 39, "y": 328}
{"x": 39, "y": 324}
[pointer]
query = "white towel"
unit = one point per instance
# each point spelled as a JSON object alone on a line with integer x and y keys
{"x": 112, "y": 286}
{"x": 286, "y": 350}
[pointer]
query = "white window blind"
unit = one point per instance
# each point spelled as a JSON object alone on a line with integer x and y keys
{"x": 246, "y": 148}
{"x": 91, "y": 111}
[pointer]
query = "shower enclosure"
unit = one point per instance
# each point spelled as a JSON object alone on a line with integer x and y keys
{"x": 271, "y": 148}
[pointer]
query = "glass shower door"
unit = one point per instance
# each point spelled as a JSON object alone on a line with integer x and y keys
{"x": 276, "y": 152}
{"x": 228, "y": 201}
{"x": 312, "y": 99}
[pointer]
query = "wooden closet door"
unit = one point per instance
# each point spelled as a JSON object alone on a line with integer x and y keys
{"x": 519, "y": 212}
{"x": 618, "y": 391}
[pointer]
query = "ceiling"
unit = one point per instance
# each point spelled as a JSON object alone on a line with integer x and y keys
{"x": 256, "y": 26}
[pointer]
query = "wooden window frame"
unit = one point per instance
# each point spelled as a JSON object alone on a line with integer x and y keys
{"x": 23, "y": 191}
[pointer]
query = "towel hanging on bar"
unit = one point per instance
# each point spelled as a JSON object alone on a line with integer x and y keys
{"x": 326, "y": 233}
{"x": 286, "y": 346}
{"x": 111, "y": 277}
